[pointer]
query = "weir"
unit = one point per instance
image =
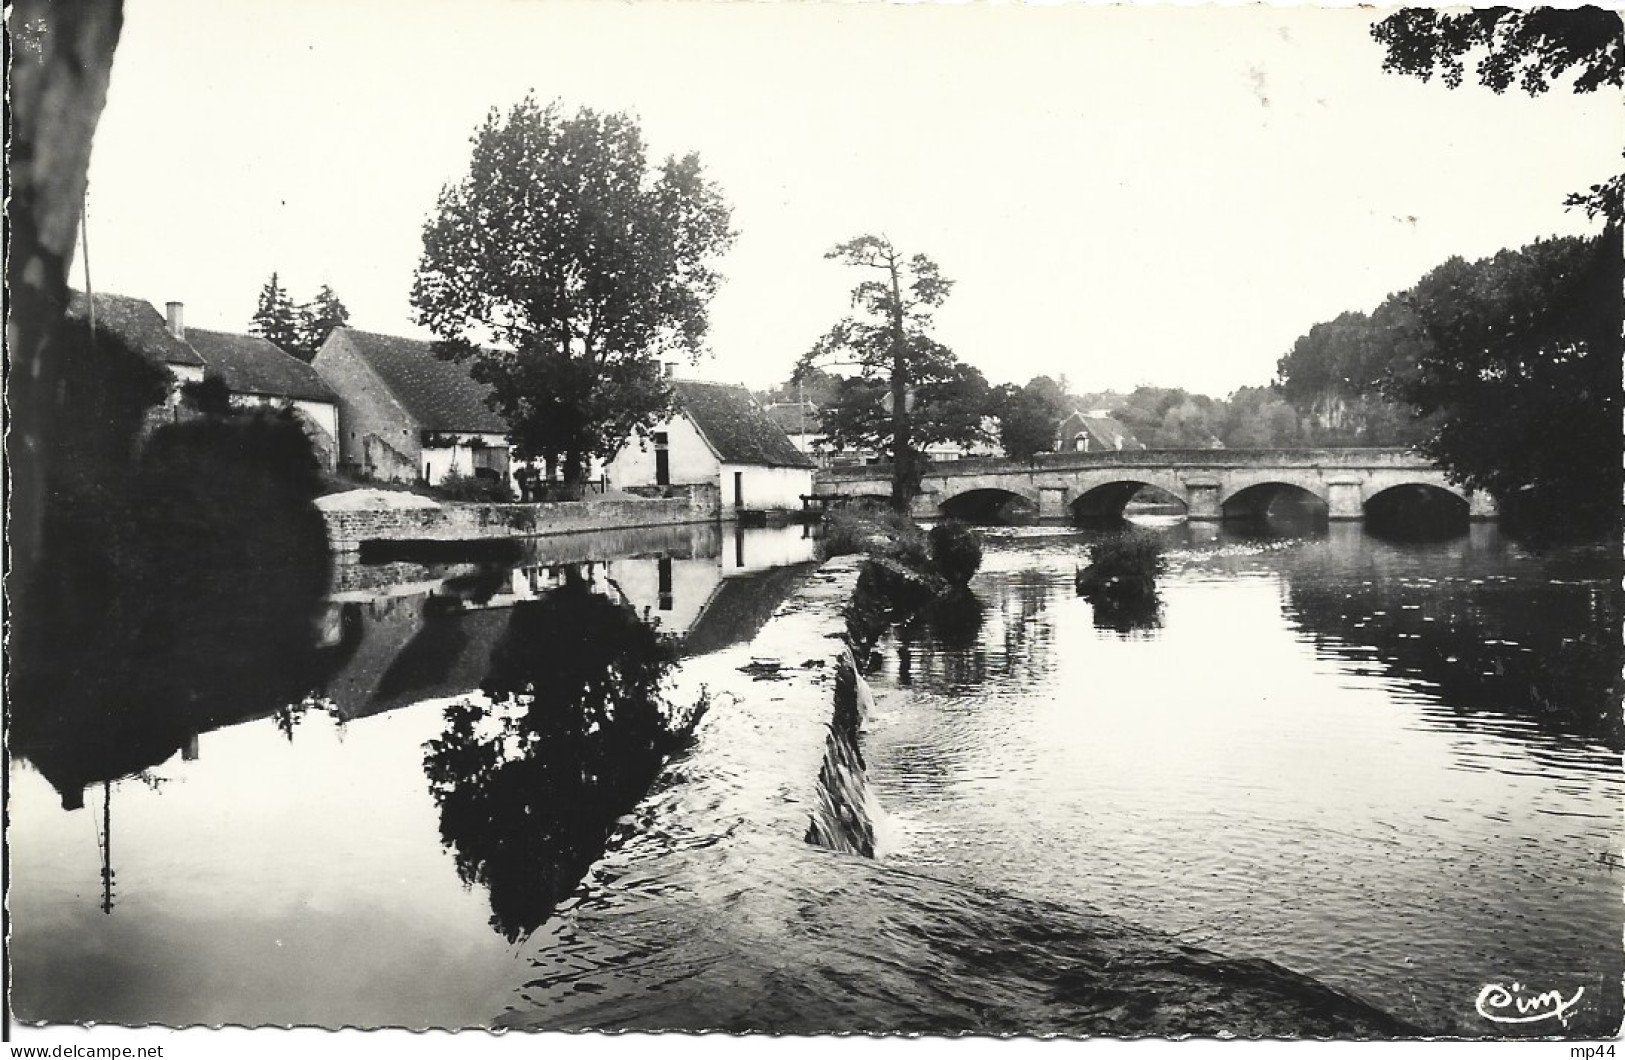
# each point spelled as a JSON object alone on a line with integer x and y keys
{"x": 745, "y": 894}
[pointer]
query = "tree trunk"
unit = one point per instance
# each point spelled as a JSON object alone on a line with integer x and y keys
{"x": 61, "y": 57}
{"x": 902, "y": 466}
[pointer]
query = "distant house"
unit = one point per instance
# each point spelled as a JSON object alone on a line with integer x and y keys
{"x": 140, "y": 327}
{"x": 407, "y": 415}
{"x": 719, "y": 435}
{"x": 257, "y": 372}
{"x": 1093, "y": 432}
{"x": 800, "y": 423}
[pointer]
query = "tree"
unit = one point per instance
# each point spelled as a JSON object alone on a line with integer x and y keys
{"x": 562, "y": 268}
{"x": 1520, "y": 359}
{"x": 275, "y": 319}
{"x": 317, "y": 320}
{"x": 1533, "y": 49}
{"x": 910, "y": 390}
{"x": 1029, "y": 416}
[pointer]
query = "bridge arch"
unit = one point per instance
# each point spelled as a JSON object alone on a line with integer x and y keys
{"x": 1272, "y": 500}
{"x": 1106, "y": 501}
{"x": 988, "y": 504}
{"x": 1418, "y": 509}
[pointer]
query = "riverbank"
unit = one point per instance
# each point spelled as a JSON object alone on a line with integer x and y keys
{"x": 685, "y": 926}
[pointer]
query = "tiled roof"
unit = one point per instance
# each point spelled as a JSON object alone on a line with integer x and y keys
{"x": 735, "y": 425}
{"x": 1105, "y": 432}
{"x": 794, "y": 417}
{"x": 252, "y": 365}
{"x": 137, "y": 324}
{"x": 440, "y": 395}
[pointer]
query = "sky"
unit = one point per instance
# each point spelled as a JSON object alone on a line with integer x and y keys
{"x": 1123, "y": 195}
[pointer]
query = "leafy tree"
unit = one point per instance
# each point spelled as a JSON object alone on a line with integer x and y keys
{"x": 562, "y": 267}
{"x": 317, "y": 319}
{"x": 815, "y": 386}
{"x": 1520, "y": 359}
{"x": 910, "y": 390}
{"x": 275, "y": 319}
{"x": 1028, "y": 416}
{"x": 1533, "y": 49}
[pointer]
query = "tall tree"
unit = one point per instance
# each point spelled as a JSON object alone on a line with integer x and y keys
{"x": 1534, "y": 49}
{"x": 1029, "y": 416}
{"x": 317, "y": 319}
{"x": 910, "y": 390}
{"x": 562, "y": 268}
{"x": 1520, "y": 359}
{"x": 275, "y": 319}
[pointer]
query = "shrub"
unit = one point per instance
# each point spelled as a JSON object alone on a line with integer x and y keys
{"x": 1126, "y": 565}
{"x": 456, "y": 486}
{"x": 956, "y": 550}
{"x": 875, "y": 531}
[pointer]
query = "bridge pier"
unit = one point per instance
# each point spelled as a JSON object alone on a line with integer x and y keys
{"x": 1202, "y": 500}
{"x": 1345, "y": 500}
{"x": 1054, "y": 502}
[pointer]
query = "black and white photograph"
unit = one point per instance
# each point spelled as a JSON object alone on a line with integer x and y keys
{"x": 567, "y": 521}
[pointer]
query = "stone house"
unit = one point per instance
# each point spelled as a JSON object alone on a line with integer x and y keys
{"x": 407, "y": 415}
{"x": 718, "y": 436}
{"x": 136, "y": 324}
{"x": 258, "y": 372}
{"x": 1093, "y": 432}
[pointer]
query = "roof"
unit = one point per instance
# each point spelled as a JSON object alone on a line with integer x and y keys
{"x": 794, "y": 417}
{"x": 440, "y": 395}
{"x": 735, "y": 425}
{"x": 251, "y": 365}
{"x": 135, "y": 323}
{"x": 1104, "y": 431}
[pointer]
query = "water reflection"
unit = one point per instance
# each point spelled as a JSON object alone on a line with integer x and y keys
{"x": 1380, "y": 763}
{"x": 530, "y": 781}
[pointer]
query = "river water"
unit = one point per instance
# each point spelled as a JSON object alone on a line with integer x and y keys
{"x": 1391, "y": 767}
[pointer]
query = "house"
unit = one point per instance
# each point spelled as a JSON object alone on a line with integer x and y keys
{"x": 135, "y": 323}
{"x": 257, "y": 372}
{"x": 799, "y": 420}
{"x": 718, "y": 435}
{"x": 407, "y": 415}
{"x": 1093, "y": 432}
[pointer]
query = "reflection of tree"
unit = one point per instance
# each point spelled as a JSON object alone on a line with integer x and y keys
{"x": 1127, "y": 615}
{"x": 209, "y": 581}
{"x": 1543, "y": 648}
{"x": 530, "y": 783}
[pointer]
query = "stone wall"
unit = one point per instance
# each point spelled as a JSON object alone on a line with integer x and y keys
{"x": 347, "y": 530}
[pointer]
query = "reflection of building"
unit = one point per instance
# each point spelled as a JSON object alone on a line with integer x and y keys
{"x": 258, "y": 373}
{"x": 407, "y": 415}
{"x": 719, "y": 435}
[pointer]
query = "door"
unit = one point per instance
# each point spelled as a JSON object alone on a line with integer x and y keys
{"x": 662, "y": 460}
{"x": 739, "y": 489}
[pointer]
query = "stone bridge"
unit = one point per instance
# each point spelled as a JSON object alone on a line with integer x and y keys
{"x": 1213, "y": 484}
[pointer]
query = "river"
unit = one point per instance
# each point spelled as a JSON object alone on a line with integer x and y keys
{"x": 1392, "y": 767}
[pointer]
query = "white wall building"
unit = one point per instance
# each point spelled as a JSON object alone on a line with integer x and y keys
{"x": 721, "y": 436}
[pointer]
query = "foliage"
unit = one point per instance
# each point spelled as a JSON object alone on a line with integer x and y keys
{"x": 582, "y": 266}
{"x": 956, "y": 552}
{"x": 275, "y": 319}
{"x": 1124, "y": 566}
{"x": 856, "y": 530}
{"x": 209, "y": 396}
{"x": 1519, "y": 357}
{"x": 1029, "y": 415}
{"x": 1534, "y": 49}
{"x": 317, "y": 320}
{"x": 299, "y": 330}
{"x": 530, "y": 783}
{"x": 814, "y": 385}
{"x": 910, "y": 391}
{"x": 456, "y": 486}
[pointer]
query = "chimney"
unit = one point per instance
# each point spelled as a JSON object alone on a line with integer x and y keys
{"x": 177, "y": 320}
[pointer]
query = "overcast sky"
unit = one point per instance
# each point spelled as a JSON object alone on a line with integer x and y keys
{"x": 1124, "y": 195}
